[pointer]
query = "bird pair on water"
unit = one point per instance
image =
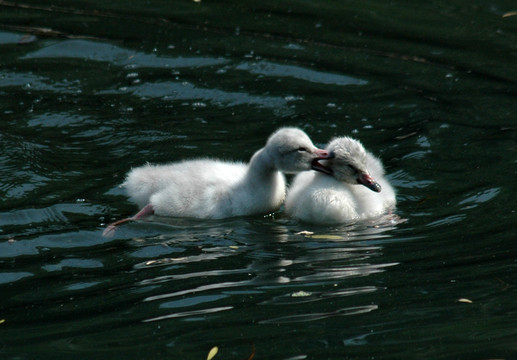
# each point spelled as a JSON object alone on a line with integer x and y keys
{"x": 214, "y": 189}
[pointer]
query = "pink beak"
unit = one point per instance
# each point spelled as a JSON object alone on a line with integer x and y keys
{"x": 322, "y": 155}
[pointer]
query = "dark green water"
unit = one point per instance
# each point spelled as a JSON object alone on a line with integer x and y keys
{"x": 431, "y": 87}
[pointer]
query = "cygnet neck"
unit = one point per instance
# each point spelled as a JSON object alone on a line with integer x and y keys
{"x": 261, "y": 166}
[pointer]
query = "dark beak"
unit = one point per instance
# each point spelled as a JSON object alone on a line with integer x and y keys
{"x": 366, "y": 180}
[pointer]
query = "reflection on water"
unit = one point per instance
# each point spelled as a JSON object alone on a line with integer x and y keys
{"x": 430, "y": 88}
{"x": 208, "y": 270}
{"x": 299, "y": 266}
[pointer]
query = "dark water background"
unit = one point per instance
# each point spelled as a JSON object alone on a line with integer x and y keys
{"x": 89, "y": 89}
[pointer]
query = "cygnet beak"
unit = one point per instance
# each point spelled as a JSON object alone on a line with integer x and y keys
{"x": 366, "y": 180}
{"x": 322, "y": 155}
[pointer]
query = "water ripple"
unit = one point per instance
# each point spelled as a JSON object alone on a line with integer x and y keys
{"x": 355, "y": 310}
{"x": 480, "y": 197}
{"x": 173, "y": 91}
{"x": 333, "y": 273}
{"x": 34, "y": 82}
{"x": 306, "y": 297}
{"x": 223, "y": 285}
{"x": 97, "y": 51}
{"x": 189, "y": 313}
{"x": 10, "y": 277}
{"x": 202, "y": 274}
{"x": 57, "y": 213}
{"x": 448, "y": 220}
{"x": 267, "y": 68}
{"x": 9, "y": 38}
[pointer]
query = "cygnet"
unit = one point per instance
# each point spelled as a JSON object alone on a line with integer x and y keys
{"x": 354, "y": 187}
{"x": 215, "y": 189}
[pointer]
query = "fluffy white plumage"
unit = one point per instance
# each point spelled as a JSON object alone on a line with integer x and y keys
{"x": 350, "y": 194}
{"x": 215, "y": 189}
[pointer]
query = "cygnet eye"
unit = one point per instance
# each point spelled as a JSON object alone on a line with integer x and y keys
{"x": 302, "y": 149}
{"x": 352, "y": 167}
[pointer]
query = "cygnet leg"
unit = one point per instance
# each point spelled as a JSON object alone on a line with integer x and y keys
{"x": 110, "y": 229}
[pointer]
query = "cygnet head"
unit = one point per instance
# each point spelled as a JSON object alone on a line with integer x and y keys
{"x": 349, "y": 163}
{"x": 292, "y": 151}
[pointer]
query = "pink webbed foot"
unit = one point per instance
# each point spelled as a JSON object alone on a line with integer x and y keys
{"x": 111, "y": 228}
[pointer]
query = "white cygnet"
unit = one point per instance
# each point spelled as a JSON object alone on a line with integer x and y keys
{"x": 215, "y": 189}
{"x": 350, "y": 191}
